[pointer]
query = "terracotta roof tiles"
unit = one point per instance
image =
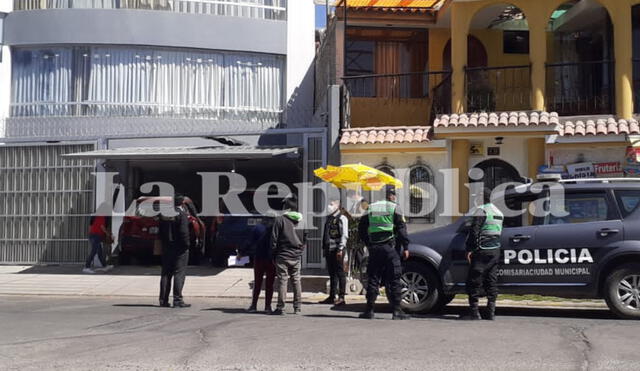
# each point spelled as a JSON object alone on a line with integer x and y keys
{"x": 386, "y": 135}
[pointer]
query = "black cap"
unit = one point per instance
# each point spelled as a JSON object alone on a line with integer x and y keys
{"x": 390, "y": 190}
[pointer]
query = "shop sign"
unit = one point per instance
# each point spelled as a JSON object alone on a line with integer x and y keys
{"x": 581, "y": 170}
{"x": 608, "y": 170}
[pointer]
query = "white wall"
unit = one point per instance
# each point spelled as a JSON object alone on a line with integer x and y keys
{"x": 399, "y": 160}
{"x": 5, "y": 72}
{"x": 300, "y": 54}
{"x": 513, "y": 150}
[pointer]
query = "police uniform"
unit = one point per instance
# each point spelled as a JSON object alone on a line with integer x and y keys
{"x": 484, "y": 245}
{"x": 384, "y": 232}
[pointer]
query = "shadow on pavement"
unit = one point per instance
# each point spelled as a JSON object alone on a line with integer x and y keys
{"x": 122, "y": 270}
{"x": 137, "y": 305}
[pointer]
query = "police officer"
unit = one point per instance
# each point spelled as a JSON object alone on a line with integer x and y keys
{"x": 174, "y": 233}
{"x": 382, "y": 230}
{"x": 483, "y": 254}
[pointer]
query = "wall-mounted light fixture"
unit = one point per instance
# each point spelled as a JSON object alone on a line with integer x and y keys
{"x": 499, "y": 140}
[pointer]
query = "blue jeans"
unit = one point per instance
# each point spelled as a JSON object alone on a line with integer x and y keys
{"x": 96, "y": 249}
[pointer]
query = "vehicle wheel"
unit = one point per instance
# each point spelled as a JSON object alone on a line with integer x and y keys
{"x": 443, "y": 301}
{"x": 124, "y": 259}
{"x": 420, "y": 287}
{"x": 622, "y": 291}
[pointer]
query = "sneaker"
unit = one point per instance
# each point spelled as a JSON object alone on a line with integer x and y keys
{"x": 252, "y": 309}
{"x": 268, "y": 310}
{"x": 181, "y": 304}
{"x": 340, "y": 303}
{"x": 328, "y": 300}
{"x": 367, "y": 315}
{"x": 164, "y": 304}
{"x": 88, "y": 271}
{"x": 297, "y": 311}
{"x": 278, "y": 312}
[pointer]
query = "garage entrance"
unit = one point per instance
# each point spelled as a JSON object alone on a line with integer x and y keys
{"x": 45, "y": 203}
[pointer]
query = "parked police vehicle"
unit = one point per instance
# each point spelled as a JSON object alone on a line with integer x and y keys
{"x": 590, "y": 250}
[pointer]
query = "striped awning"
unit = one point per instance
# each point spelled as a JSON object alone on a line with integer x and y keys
{"x": 422, "y": 4}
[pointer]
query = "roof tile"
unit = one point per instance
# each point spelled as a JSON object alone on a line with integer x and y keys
{"x": 493, "y": 119}
{"x": 386, "y": 135}
{"x": 608, "y": 126}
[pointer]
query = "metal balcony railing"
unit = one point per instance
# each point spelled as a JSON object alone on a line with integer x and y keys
{"x": 581, "y": 88}
{"x": 260, "y": 9}
{"x": 104, "y": 109}
{"x": 415, "y": 85}
{"x": 490, "y": 89}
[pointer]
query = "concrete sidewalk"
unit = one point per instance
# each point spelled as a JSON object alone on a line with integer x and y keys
{"x": 135, "y": 281}
{"x": 69, "y": 280}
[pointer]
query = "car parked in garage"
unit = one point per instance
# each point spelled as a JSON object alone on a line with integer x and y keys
{"x": 591, "y": 252}
{"x": 139, "y": 234}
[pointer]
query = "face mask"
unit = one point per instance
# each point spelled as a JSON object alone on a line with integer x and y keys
{"x": 331, "y": 208}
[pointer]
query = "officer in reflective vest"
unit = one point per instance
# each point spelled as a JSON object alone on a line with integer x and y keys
{"x": 483, "y": 254}
{"x": 384, "y": 232}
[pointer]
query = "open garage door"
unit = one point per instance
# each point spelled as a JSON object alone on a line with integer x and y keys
{"x": 45, "y": 203}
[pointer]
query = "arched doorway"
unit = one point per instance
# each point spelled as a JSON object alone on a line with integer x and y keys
{"x": 580, "y": 72}
{"x": 476, "y": 54}
{"x": 497, "y": 172}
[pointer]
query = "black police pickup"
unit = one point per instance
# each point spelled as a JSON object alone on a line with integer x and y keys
{"x": 592, "y": 250}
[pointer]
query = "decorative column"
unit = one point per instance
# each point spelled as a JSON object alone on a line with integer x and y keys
{"x": 460, "y": 160}
{"x": 459, "y": 31}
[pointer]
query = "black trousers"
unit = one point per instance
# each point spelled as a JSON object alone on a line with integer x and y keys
{"x": 483, "y": 274}
{"x": 384, "y": 265}
{"x": 174, "y": 267}
{"x": 337, "y": 276}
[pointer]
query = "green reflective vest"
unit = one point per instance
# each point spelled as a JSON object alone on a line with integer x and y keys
{"x": 381, "y": 217}
{"x": 492, "y": 226}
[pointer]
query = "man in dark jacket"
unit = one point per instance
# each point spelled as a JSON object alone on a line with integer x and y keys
{"x": 174, "y": 234}
{"x": 334, "y": 244}
{"x": 259, "y": 248}
{"x": 287, "y": 244}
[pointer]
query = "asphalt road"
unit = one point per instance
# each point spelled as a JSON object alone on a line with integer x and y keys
{"x": 50, "y": 333}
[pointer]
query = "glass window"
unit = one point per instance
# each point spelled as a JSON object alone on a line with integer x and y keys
{"x": 628, "y": 201}
{"x": 419, "y": 195}
{"x": 582, "y": 208}
{"x": 118, "y": 81}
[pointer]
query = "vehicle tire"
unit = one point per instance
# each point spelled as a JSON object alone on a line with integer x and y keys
{"x": 622, "y": 291}
{"x": 443, "y": 301}
{"x": 420, "y": 287}
{"x": 124, "y": 259}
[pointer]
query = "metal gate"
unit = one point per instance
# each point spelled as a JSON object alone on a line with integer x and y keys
{"x": 315, "y": 156}
{"x": 45, "y": 203}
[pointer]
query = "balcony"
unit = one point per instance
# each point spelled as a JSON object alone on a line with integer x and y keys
{"x": 581, "y": 88}
{"x": 398, "y": 99}
{"x": 57, "y": 121}
{"x": 490, "y": 89}
{"x": 258, "y": 9}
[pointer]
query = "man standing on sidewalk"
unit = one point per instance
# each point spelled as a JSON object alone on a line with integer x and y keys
{"x": 174, "y": 233}
{"x": 483, "y": 254}
{"x": 384, "y": 230}
{"x": 334, "y": 243}
{"x": 287, "y": 244}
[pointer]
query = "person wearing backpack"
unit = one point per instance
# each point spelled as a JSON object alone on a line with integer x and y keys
{"x": 259, "y": 248}
{"x": 287, "y": 244}
{"x": 334, "y": 243}
{"x": 174, "y": 234}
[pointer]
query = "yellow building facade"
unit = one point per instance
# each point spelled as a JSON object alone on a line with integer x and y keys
{"x": 512, "y": 88}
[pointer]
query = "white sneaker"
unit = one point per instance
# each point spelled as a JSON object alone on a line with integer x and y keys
{"x": 105, "y": 269}
{"x": 88, "y": 271}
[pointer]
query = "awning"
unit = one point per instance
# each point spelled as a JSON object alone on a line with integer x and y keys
{"x": 428, "y": 4}
{"x": 179, "y": 153}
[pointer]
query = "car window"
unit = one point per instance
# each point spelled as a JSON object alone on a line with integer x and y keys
{"x": 628, "y": 201}
{"x": 526, "y": 203}
{"x": 582, "y": 208}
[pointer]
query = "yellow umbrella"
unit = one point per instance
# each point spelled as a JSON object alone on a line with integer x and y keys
{"x": 356, "y": 176}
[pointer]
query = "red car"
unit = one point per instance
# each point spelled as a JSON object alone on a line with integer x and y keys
{"x": 139, "y": 234}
